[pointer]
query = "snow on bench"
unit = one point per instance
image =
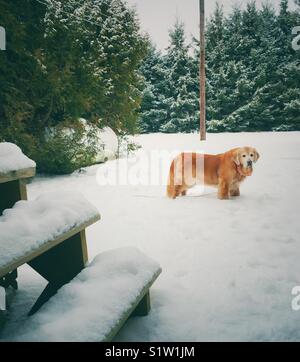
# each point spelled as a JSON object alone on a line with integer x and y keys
{"x": 31, "y": 228}
{"x": 97, "y": 302}
{"x": 14, "y": 164}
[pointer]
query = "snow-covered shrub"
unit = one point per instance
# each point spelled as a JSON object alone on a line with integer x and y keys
{"x": 66, "y": 149}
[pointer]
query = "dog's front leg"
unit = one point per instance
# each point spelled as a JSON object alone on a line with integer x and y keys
{"x": 234, "y": 190}
{"x": 223, "y": 190}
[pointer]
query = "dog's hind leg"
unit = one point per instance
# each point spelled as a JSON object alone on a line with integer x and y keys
{"x": 178, "y": 191}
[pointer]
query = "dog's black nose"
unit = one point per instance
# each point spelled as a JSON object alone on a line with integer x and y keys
{"x": 249, "y": 163}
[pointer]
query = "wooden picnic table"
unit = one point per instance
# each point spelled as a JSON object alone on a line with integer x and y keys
{"x": 59, "y": 259}
{"x": 62, "y": 256}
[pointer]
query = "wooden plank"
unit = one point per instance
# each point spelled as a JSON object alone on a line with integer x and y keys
{"x": 130, "y": 311}
{"x": 84, "y": 247}
{"x": 12, "y": 192}
{"x": 17, "y": 174}
{"x": 47, "y": 246}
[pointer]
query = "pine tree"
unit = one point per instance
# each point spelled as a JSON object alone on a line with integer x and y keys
{"x": 260, "y": 91}
{"x": 215, "y": 36}
{"x": 252, "y": 77}
{"x": 285, "y": 23}
{"x": 253, "y": 112}
{"x": 180, "y": 98}
{"x": 104, "y": 36}
{"x": 228, "y": 81}
{"x": 65, "y": 60}
{"x": 22, "y": 93}
{"x": 153, "y": 109}
{"x": 124, "y": 50}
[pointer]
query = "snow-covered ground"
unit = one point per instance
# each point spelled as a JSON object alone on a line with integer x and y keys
{"x": 228, "y": 266}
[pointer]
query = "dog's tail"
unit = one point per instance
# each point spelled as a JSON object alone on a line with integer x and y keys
{"x": 171, "y": 182}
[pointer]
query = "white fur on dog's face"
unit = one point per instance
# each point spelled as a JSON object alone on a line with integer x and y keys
{"x": 246, "y": 156}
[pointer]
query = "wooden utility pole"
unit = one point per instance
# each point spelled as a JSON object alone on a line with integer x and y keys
{"x": 202, "y": 76}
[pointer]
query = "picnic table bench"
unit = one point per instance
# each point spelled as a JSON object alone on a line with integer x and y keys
{"x": 57, "y": 251}
{"x": 48, "y": 234}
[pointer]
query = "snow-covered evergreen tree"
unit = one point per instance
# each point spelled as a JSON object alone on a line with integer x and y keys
{"x": 154, "y": 110}
{"x": 252, "y": 87}
{"x": 68, "y": 59}
{"x": 181, "y": 100}
{"x": 252, "y": 74}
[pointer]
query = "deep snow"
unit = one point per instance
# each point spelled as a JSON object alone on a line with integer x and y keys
{"x": 228, "y": 266}
{"x": 12, "y": 158}
{"x": 30, "y": 224}
{"x": 87, "y": 308}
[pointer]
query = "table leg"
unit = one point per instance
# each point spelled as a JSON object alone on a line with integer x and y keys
{"x": 10, "y": 280}
{"x": 11, "y": 192}
{"x": 59, "y": 265}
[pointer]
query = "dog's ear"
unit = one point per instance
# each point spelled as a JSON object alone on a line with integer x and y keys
{"x": 256, "y": 155}
{"x": 236, "y": 157}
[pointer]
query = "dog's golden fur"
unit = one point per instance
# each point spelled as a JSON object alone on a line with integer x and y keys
{"x": 226, "y": 171}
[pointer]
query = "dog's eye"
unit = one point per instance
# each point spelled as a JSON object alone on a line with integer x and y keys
{"x": 244, "y": 155}
{"x": 251, "y": 155}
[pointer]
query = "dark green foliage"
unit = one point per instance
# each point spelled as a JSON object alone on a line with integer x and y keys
{"x": 252, "y": 70}
{"x": 63, "y": 61}
{"x": 154, "y": 110}
{"x": 255, "y": 88}
{"x": 169, "y": 102}
{"x": 181, "y": 100}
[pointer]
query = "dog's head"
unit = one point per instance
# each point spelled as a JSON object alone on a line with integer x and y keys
{"x": 244, "y": 158}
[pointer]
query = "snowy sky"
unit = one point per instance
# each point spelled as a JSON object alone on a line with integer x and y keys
{"x": 157, "y": 16}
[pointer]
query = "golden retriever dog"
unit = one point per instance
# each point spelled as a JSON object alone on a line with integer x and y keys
{"x": 226, "y": 171}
